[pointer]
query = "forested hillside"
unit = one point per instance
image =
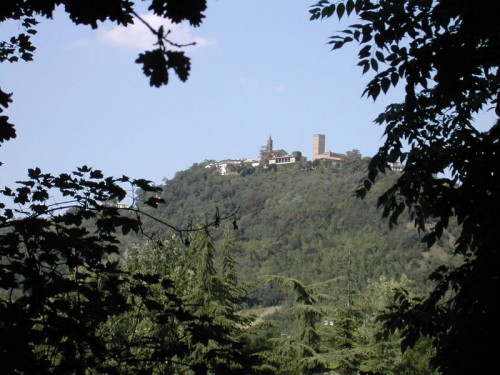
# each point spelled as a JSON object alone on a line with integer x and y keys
{"x": 303, "y": 222}
{"x": 296, "y": 280}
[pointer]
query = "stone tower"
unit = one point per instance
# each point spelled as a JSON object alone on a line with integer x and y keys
{"x": 318, "y": 145}
{"x": 269, "y": 147}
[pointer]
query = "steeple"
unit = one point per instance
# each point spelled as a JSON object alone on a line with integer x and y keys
{"x": 269, "y": 147}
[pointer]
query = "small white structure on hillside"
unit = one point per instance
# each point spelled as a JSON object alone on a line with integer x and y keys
{"x": 229, "y": 165}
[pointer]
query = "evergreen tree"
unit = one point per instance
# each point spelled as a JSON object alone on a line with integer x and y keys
{"x": 381, "y": 350}
{"x": 342, "y": 327}
{"x": 301, "y": 353}
{"x": 213, "y": 338}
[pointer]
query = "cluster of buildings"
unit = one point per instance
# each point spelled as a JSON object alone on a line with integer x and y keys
{"x": 272, "y": 156}
{"x": 319, "y": 153}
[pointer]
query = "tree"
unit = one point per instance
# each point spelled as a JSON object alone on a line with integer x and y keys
{"x": 446, "y": 55}
{"x": 353, "y": 161}
{"x": 59, "y": 284}
{"x": 64, "y": 294}
{"x": 58, "y": 280}
{"x": 65, "y": 300}
{"x": 301, "y": 353}
{"x": 214, "y": 337}
{"x": 381, "y": 350}
{"x": 155, "y": 63}
{"x": 145, "y": 338}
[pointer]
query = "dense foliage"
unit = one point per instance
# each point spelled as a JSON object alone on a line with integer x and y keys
{"x": 73, "y": 301}
{"x": 301, "y": 222}
{"x": 446, "y": 54}
{"x": 58, "y": 279}
{"x": 67, "y": 305}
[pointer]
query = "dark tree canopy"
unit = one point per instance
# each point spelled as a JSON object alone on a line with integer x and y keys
{"x": 59, "y": 279}
{"x": 64, "y": 293}
{"x": 446, "y": 54}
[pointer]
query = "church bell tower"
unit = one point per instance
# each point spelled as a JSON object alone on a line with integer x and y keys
{"x": 269, "y": 147}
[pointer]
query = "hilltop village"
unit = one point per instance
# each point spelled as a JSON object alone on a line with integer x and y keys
{"x": 270, "y": 156}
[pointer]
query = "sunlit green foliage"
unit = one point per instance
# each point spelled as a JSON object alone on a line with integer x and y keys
{"x": 165, "y": 307}
{"x": 214, "y": 337}
{"x": 305, "y": 224}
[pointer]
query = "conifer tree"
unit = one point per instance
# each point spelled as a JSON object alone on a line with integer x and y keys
{"x": 213, "y": 336}
{"x": 382, "y": 349}
{"x": 301, "y": 354}
{"x": 342, "y": 327}
{"x": 356, "y": 339}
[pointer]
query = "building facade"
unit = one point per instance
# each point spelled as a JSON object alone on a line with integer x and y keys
{"x": 319, "y": 152}
{"x": 281, "y": 156}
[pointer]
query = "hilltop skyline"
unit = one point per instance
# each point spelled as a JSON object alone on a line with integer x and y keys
{"x": 83, "y": 100}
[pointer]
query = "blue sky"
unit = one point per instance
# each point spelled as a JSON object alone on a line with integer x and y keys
{"x": 260, "y": 68}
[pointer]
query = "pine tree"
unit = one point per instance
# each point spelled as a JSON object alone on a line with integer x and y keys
{"x": 214, "y": 336}
{"x": 301, "y": 353}
{"x": 344, "y": 325}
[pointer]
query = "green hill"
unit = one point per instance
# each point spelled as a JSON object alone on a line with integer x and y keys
{"x": 301, "y": 222}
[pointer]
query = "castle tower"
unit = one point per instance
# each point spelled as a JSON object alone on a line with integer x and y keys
{"x": 269, "y": 147}
{"x": 318, "y": 145}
